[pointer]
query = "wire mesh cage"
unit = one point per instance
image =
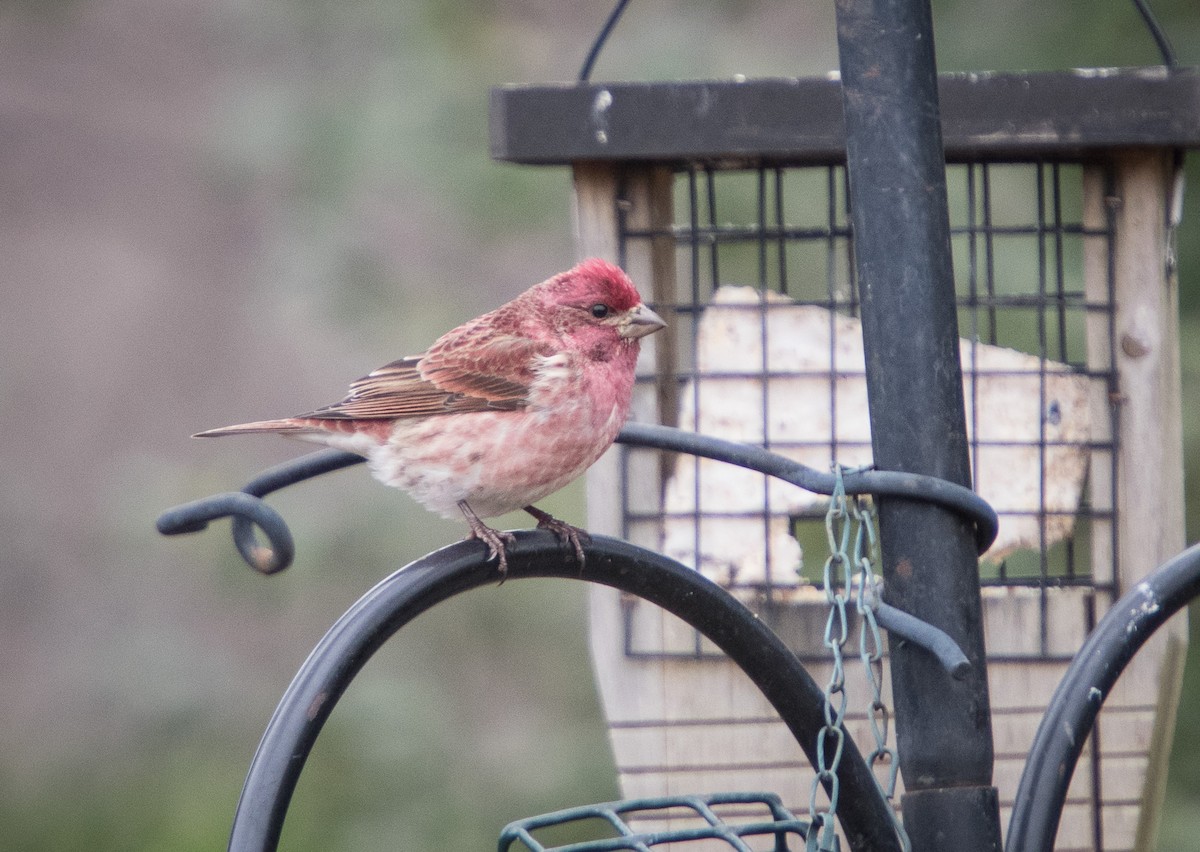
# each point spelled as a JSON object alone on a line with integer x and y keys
{"x": 767, "y": 349}
{"x": 732, "y": 215}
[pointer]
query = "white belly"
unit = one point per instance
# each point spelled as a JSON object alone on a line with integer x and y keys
{"x": 495, "y": 461}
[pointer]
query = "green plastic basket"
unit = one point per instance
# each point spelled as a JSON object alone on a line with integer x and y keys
{"x": 614, "y": 818}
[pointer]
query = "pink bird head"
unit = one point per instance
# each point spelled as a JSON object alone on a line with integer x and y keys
{"x": 592, "y": 307}
{"x": 592, "y": 279}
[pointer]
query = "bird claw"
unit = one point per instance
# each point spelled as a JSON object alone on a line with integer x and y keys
{"x": 496, "y": 540}
{"x": 567, "y": 533}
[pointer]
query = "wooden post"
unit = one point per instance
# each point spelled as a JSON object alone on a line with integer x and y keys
{"x": 1135, "y": 188}
{"x": 596, "y": 235}
{"x": 645, "y": 195}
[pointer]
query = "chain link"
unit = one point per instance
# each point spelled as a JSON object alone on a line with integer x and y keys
{"x": 850, "y": 528}
{"x": 870, "y": 651}
{"x": 836, "y": 575}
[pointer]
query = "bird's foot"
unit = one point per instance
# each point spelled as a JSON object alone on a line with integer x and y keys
{"x": 496, "y": 540}
{"x": 567, "y": 533}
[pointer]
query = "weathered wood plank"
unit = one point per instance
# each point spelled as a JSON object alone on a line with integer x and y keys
{"x": 799, "y": 121}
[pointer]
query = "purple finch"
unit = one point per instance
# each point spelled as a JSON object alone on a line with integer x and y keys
{"x": 501, "y": 411}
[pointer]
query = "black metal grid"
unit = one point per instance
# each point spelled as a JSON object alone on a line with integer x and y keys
{"x": 1019, "y": 241}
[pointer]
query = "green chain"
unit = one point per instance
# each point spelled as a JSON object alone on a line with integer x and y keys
{"x": 847, "y": 521}
{"x": 836, "y": 576}
{"x": 870, "y": 651}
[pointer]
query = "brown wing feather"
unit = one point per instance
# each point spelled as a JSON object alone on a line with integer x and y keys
{"x": 453, "y": 377}
{"x": 477, "y": 360}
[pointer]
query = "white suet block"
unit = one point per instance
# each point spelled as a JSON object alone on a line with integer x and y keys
{"x": 804, "y": 394}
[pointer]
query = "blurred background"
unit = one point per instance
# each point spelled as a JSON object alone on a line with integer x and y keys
{"x": 222, "y": 211}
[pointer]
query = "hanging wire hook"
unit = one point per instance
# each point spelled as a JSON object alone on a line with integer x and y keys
{"x": 1157, "y": 33}
{"x": 585, "y": 72}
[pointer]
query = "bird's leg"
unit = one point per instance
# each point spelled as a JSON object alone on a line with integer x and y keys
{"x": 566, "y": 533}
{"x": 496, "y": 540}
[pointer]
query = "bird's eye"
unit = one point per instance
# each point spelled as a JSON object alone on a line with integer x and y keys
{"x": 600, "y": 311}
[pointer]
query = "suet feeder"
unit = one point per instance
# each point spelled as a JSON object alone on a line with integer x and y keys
{"x": 727, "y": 202}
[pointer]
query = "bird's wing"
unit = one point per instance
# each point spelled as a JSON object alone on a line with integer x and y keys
{"x": 492, "y": 375}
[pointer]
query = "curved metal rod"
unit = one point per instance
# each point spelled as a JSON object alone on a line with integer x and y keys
{"x": 194, "y": 516}
{"x": 925, "y": 635}
{"x": 864, "y": 813}
{"x": 1165, "y": 48}
{"x": 883, "y": 483}
{"x": 1072, "y": 711}
{"x": 248, "y": 510}
{"x": 610, "y": 23}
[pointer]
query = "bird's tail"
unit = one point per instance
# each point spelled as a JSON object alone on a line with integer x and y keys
{"x": 286, "y": 426}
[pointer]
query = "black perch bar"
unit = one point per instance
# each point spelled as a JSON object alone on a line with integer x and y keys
{"x": 247, "y": 509}
{"x": 863, "y": 812}
{"x": 1071, "y": 714}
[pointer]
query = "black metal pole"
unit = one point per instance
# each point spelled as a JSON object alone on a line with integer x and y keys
{"x": 914, "y": 382}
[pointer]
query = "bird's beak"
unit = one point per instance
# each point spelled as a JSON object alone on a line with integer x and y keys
{"x": 640, "y": 321}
